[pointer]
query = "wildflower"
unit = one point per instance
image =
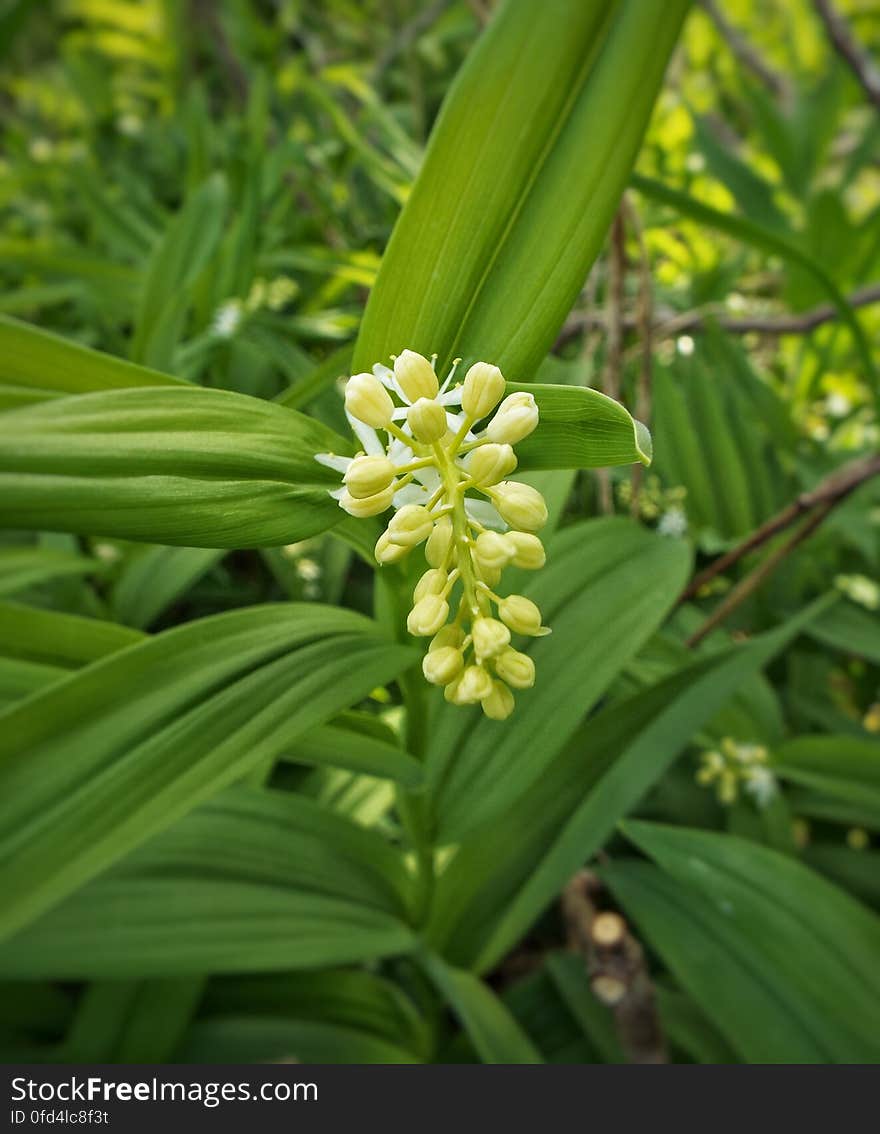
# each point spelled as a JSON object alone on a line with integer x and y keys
{"x": 227, "y": 318}
{"x": 734, "y": 765}
{"x": 445, "y": 477}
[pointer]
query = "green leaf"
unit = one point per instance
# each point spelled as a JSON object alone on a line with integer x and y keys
{"x": 503, "y": 878}
{"x": 191, "y": 467}
{"x": 342, "y": 747}
{"x": 580, "y": 429}
{"x": 850, "y": 629}
{"x": 24, "y": 567}
{"x": 253, "y": 1039}
{"x": 95, "y": 764}
{"x": 783, "y": 962}
{"x": 495, "y": 1034}
{"x": 497, "y": 236}
{"x": 155, "y": 577}
{"x": 180, "y": 256}
{"x": 843, "y": 767}
{"x": 35, "y": 365}
{"x": 606, "y": 588}
{"x": 51, "y": 638}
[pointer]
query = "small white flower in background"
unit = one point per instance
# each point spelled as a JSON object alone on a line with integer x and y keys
{"x": 131, "y": 125}
{"x": 41, "y": 150}
{"x": 227, "y": 318}
{"x": 861, "y": 589}
{"x": 734, "y": 766}
{"x": 446, "y": 481}
{"x": 673, "y": 523}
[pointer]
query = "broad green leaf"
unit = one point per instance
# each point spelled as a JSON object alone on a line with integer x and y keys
{"x": 605, "y": 589}
{"x": 174, "y": 925}
{"x": 23, "y": 567}
{"x": 568, "y": 972}
{"x": 504, "y": 877}
{"x": 191, "y": 467}
{"x": 98, "y": 762}
{"x": 51, "y": 638}
{"x": 579, "y": 429}
{"x": 255, "y": 1039}
{"x": 497, "y": 236}
{"x": 783, "y": 962}
{"x": 349, "y": 998}
{"x": 857, "y": 871}
{"x": 495, "y": 1034}
{"x": 346, "y": 748}
{"x": 842, "y": 767}
{"x": 850, "y": 629}
{"x": 155, "y": 577}
{"x": 36, "y": 365}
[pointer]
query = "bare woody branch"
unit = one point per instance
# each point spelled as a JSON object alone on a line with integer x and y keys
{"x": 616, "y": 965}
{"x": 671, "y": 324}
{"x": 846, "y": 46}
{"x": 832, "y": 490}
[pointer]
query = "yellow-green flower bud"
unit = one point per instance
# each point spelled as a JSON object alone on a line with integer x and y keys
{"x": 366, "y": 476}
{"x": 473, "y": 685}
{"x": 521, "y": 615}
{"x": 431, "y": 583}
{"x": 427, "y": 616}
{"x": 415, "y": 376}
{"x": 443, "y": 665}
{"x": 493, "y": 550}
{"x": 368, "y": 400}
{"x": 491, "y": 463}
{"x": 437, "y": 547}
{"x": 427, "y": 419}
{"x": 490, "y": 637}
{"x": 515, "y": 668}
{"x": 449, "y": 636}
{"x": 482, "y": 391}
{"x": 388, "y": 552}
{"x": 410, "y": 525}
{"x": 520, "y": 505}
{"x": 369, "y": 505}
{"x": 528, "y": 550}
{"x": 516, "y": 418}
{"x": 499, "y": 704}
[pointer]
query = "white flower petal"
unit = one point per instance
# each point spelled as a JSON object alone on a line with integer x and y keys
{"x": 340, "y": 464}
{"x": 410, "y": 494}
{"x": 484, "y": 513}
{"x": 367, "y": 436}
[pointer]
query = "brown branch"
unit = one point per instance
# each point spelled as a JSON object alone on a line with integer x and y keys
{"x": 616, "y": 965}
{"x": 754, "y": 579}
{"x": 846, "y": 46}
{"x": 671, "y": 324}
{"x": 832, "y": 489}
{"x": 744, "y": 51}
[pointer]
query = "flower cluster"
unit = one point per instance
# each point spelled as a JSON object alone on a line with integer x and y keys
{"x": 733, "y": 766}
{"x": 447, "y": 484}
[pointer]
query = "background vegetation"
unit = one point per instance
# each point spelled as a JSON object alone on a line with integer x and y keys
{"x": 227, "y": 831}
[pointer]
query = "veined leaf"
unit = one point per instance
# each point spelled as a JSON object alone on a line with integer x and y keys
{"x": 155, "y": 577}
{"x": 504, "y": 877}
{"x": 495, "y": 1034}
{"x": 38, "y": 365}
{"x": 67, "y": 641}
{"x": 346, "y": 748}
{"x": 262, "y": 1039}
{"x": 23, "y": 567}
{"x": 497, "y": 236}
{"x": 580, "y": 429}
{"x": 189, "y": 466}
{"x": 783, "y": 962}
{"x": 98, "y": 762}
{"x": 842, "y": 767}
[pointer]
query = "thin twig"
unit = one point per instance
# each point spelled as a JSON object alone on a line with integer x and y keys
{"x": 831, "y": 490}
{"x": 616, "y": 965}
{"x": 744, "y": 51}
{"x": 672, "y": 324}
{"x": 754, "y": 579}
{"x": 846, "y": 46}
